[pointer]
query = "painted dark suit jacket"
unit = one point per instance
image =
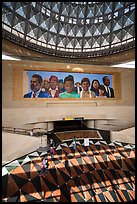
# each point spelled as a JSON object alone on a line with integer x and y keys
{"x": 76, "y": 90}
{"x": 112, "y": 93}
{"x": 41, "y": 95}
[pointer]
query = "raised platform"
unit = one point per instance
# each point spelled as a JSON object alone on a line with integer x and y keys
{"x": 80, "y": 134}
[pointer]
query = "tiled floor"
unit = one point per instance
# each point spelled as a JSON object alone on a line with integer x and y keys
{"x": 99, "y": 173}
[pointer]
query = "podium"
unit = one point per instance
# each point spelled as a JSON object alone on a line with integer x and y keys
{"x": 86, "y": 142}
{"x": 44, "y": 145}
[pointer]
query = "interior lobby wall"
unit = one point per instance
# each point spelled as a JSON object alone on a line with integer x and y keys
{"x": 21, "y": 112}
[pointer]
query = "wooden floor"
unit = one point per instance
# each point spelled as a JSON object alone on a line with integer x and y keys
{"x": 101, "y": 172}
{"x": 78, "y": 134}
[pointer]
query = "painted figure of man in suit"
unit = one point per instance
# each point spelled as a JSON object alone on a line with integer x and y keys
{"x": 35, "y": 85}
{"x": 109, "y": 90}
{"x": 77, "y": 87}
{"x": 46, "y": 85}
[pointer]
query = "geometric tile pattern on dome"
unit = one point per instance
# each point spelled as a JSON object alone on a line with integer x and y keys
{"x": 69, "y": 27}
{"x": 101, "y": 172}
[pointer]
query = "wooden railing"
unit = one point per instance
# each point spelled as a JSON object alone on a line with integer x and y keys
{"x": 31, "y": 132}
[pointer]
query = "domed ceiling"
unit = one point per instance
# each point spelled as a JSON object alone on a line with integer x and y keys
{"x": 70, "y": 29}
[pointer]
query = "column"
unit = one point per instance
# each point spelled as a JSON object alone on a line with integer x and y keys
{"x": 90, "y": 124}
{"x": 50, "y": 126}
{"x": 43, "y": 140}
{"x": 43, "y": 127}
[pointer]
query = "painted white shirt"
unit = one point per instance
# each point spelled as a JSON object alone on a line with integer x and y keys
{"x": 108, "y": 90}
{"x": 53, "y": 91}
{"x": 37, "y": 94}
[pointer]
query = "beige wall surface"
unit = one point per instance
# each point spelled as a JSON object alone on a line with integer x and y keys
{"x": 20, "y": 112}
{"x": 29, "y": 117}
{"x": 127, "y": 135}
{"x": 23, "y": 144}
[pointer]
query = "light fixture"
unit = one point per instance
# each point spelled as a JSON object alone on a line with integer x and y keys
{"x": 6, "y": 57}
{"x": 125, "y": 65}
{"x": 77, "y": 69}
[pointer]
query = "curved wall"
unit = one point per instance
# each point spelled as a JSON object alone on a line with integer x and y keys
{"x": 20, "y": 112}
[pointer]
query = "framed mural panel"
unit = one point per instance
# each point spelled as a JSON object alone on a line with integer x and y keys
{"x": 47, "y": 84}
